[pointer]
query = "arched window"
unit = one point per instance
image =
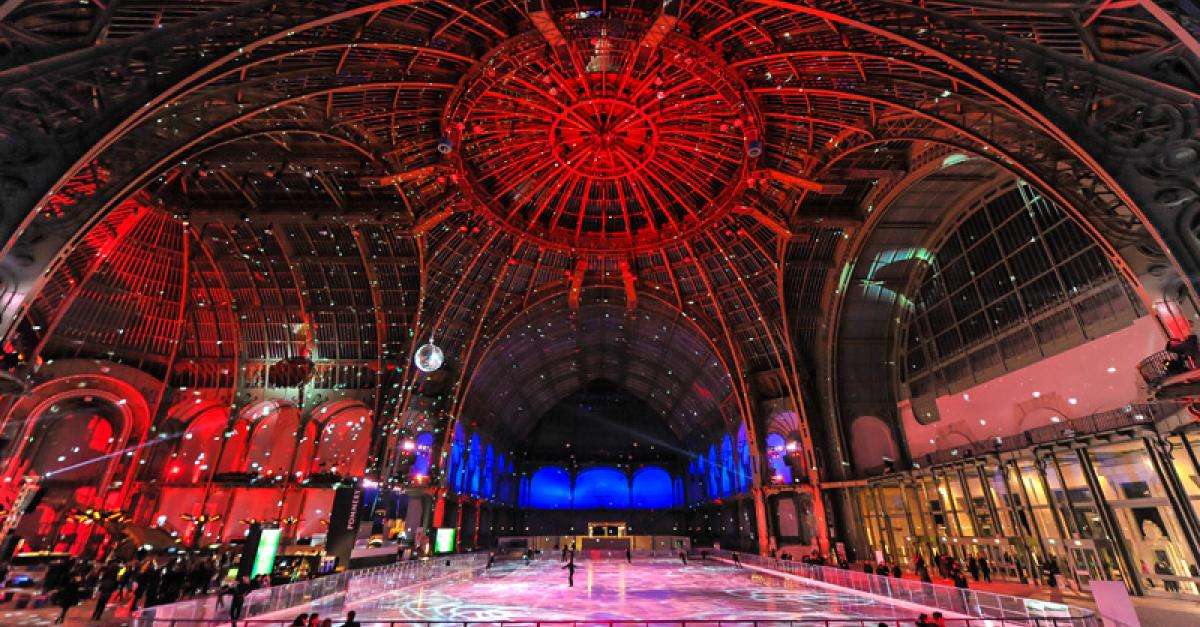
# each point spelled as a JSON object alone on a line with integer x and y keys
{"x": 475, "y": 464}
{"x": 652, "y": 489}
{"x": 601, "y": 488}
{"x": 237, "y": 438}
{"x": 1014, "y": 281}
{"x": 489, "y": 472}
{"x": 72, "y": 438}
{"x": 712, "y": 473}
{"x": 728, "y": 466}
{"x": 777, "y": 458}
{"x": 273, "y": 437}
{"x": 743, "y": 460}
{"x": 345, "y": 440}
{"x": 423, "y": 444}
{"x": 200, "y": 447}
{"x": 550, "y": 488}
{"x": 455, "y": 464}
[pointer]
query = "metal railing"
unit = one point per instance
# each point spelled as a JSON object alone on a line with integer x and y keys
{"x": 799, "y": 622}
{"x": 977, "y": 604}
{"x": 350, "y": 584}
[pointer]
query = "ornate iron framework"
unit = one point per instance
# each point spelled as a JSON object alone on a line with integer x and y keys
{"x": 291, "y": 155}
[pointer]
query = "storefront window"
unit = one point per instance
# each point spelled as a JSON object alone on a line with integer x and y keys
{"x": 1185, "y": 464}
{"x": 898, "y": 515}
{"x": 1073, "y": 498}
{"x": 1143, "y": 511}
{"x": 1092, "y": 554}
{"x": 1044, "y": 519}
{"x": 958, "y": 503}
{"x": 979, "y": 505}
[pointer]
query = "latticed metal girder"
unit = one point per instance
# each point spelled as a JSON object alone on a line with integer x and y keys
{"x": 369, "y": 85}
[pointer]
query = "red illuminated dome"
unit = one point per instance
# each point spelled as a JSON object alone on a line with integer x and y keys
{"x": 609, "y": 139}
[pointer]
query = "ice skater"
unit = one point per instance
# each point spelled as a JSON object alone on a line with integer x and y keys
{"x": 737, "y": 561}
{"x": 570, "y": 572}
{"x": 683, "y": 557}
{"x": 628, "y": 555}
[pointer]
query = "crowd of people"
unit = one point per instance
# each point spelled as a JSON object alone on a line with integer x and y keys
{"x": 139, "y": 582}
{"x": 315, "y": 620}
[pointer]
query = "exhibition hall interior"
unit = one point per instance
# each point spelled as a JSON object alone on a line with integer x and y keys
{"x": 507, "y": 312}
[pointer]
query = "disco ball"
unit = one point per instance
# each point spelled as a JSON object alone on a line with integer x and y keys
{"x": 429, "y": 357}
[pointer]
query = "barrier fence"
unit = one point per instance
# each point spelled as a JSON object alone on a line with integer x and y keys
{"x": 814, "y": 622}
{"x": 351, "y": 585}
{"x": 987, "y": 608}
{"x": 979, "y": 608}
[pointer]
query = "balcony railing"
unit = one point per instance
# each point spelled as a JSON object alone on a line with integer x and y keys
{"x": 1157, "y": 367}
{"x": 1141, "y": 414}
{"x": 985, "y": 608}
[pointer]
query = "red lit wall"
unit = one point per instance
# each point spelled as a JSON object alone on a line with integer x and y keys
{"x": 1096, "y": 376}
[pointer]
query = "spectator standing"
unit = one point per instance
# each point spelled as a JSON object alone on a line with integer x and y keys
{"x": 66, "y": 598}
{"x": 107, "y": 585}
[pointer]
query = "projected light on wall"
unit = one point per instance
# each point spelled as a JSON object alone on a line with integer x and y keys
{"x": 549, "y": 488}
{"x": 724, "y": 470}
{"x": 653, "y": 488}
{"x": 602, "y": 487}
{"x": 474, "y": 467}
{"x": 888, "y": 272}
{"x": 776, "y": 457}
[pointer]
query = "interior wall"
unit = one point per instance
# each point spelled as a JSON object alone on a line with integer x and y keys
{"x": 640, "y": 522}
{"x": 1093, "y": 377}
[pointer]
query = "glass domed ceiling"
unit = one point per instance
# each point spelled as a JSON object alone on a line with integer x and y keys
{"x": 606, "y": 136}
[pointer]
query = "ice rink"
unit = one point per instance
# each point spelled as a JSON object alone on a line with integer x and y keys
{"x": 660, "y": 589}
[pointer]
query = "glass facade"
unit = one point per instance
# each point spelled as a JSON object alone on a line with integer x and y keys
{"x": 1117, "y": 506}
{"x": 1015, "y": 281}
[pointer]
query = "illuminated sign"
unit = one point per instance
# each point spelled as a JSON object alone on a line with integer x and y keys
{"x": 268, "y": 546}
{"x": 443, "y": 542}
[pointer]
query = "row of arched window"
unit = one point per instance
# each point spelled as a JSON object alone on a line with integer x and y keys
{"x": 474, "y": 467}
{"x": 601, "y": 487}
{"x": 722, "y": 471}
{"x": 272, "y": 438}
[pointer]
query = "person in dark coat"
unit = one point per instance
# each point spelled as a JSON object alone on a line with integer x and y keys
{"x": 628, "y": 555}
{"x": 105, "y": 588}
{"x": 570, "y": 573}
{"x": 973, "y": 567}
{"x": 145, "y": 585}
{"x": 66, "y": 598}
{"x": 985, "y": 569}
{"x": 153, "y": 585}
{"x": 238, "y": 600}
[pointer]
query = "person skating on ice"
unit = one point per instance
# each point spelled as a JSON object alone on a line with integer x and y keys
{"x": 570, "y": 566}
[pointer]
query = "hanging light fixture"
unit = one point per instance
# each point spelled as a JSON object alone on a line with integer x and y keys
{"x": 429, "y": 357}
